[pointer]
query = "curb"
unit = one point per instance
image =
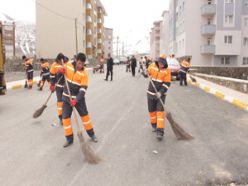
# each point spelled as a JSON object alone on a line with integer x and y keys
{"x": 238, "y": 103}
{"x": 15, "y": 85}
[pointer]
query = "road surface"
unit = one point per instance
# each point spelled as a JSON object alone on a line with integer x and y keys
{"x": 32, "y": 152}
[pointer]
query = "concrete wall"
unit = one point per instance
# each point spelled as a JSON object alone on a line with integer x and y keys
{"x": 239, "y": 85}
{"x": 232, "y": 72}
{"x": 55, "y": 32}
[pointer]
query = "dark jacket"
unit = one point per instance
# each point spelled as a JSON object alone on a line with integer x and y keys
{"x": 133, "y": 62}
{"x": 110, "y": 63}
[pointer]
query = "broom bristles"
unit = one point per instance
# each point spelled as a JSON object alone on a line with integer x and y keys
{"x": 179, "y": 132}
{"x": 89, "y": 154}
{"x": 39, "y": 111}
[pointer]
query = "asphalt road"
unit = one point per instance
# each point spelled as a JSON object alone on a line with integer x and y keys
{"x": 31, "y": 150}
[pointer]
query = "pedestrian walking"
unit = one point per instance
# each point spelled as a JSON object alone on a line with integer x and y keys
{"x": 128, "y": 65}
{"x": 133, "y": 65}
{"x": 110, "y": 64}
{"x": 141, "y": 63}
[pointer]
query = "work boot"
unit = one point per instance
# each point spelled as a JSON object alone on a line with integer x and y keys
{"x": 67, "y": 144}
{"x": 94, "y": 138}
{"x": 154, "y": 127}
{"x": 69, "y": 141}
{"x": 160, "y": 134}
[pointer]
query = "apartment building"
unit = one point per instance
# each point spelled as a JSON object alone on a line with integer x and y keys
{"x": 108, "y": 41}
{"x": 155, "y": 39}
{"x": 164, "y": 33}
{"x": 211, "y": 32}
{"x": 69, "y": 27}
{"x": 95, "y": 13}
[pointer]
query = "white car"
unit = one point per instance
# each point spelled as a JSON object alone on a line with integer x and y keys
{"x": 174, "y": 66}
{"x": 116, "y": 61}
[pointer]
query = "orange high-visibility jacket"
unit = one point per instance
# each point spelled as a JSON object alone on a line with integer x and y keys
{"x": 160, "y": 78}
{"x": 77, "y": 81}
{"x": 185, "y": 65}
{"x": 45, "y": 69}
{"x": 29, "y": 65}
{"x": 55, "y": 75}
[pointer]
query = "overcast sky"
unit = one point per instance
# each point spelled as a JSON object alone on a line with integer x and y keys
{"x": 130, "y": 19}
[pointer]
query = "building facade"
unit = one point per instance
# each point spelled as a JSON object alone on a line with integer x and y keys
{"x": 211, "y": 32}
{"x": 164, "y": 33}
{"x": 155, "y": 39}
{"x": 95, "y": 13}
{"x": 69, "y": 27}
{"x": 108, "y": 41}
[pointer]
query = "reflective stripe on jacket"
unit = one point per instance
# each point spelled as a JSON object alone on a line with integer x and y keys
{"x": 77, "y": 81}
{"x": 55, "y": 75}
{"x": 160, "y": 78}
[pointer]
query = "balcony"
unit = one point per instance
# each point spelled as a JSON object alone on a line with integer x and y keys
{"x": 208, "y": 10}
{"x": 208, "y": 49}
{"x": 208, "y": 30}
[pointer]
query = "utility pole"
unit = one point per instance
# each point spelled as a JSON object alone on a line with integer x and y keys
{"x": 76, "y": 35}
{"x": 117, "y": 47}
{"x": 123, "y": 47}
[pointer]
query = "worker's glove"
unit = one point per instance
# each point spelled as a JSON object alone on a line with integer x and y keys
{"x": 62, "y": 70}
{"x": 52, "y": 88}
{"x": 73, "y": 102}
{"x": 158, "y": 95}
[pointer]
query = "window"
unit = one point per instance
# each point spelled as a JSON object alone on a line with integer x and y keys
{"x": 246, "y": 3}
{"x": 229, "y": 19}
{"x": 88, "y": 6}
{"x": 209, "y": 21}
{"x": 89, "y": 45}
{"x": 225, "y": 60}
{"x": 245, "y": 41}
{"x": 228, "y": 39}
{"x": 89, "y": 19}
{"x": 88, "y": 31}
{"x": 209, "y": 41}
{"x": 246, "y": 21}
{"x": 245, "y": 61}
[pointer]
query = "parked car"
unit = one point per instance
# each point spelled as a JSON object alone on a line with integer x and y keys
{"x": 116, "y": 61}
{"x": 174, "y": 66}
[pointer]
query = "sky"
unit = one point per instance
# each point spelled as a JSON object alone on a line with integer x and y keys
{"x": 131, "y": 19}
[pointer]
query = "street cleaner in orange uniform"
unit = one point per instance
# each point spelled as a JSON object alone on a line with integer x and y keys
{"x": 28, "y": 63}
{"x": 57, "y": 82}
{"x": 160, "y": 75}
{"x": 77, "y": 78}
{"x": 45, "y": 73}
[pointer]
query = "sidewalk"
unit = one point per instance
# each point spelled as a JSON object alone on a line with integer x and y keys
{"x": 234, "y": 97}
{"x": 20, "y": 83}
